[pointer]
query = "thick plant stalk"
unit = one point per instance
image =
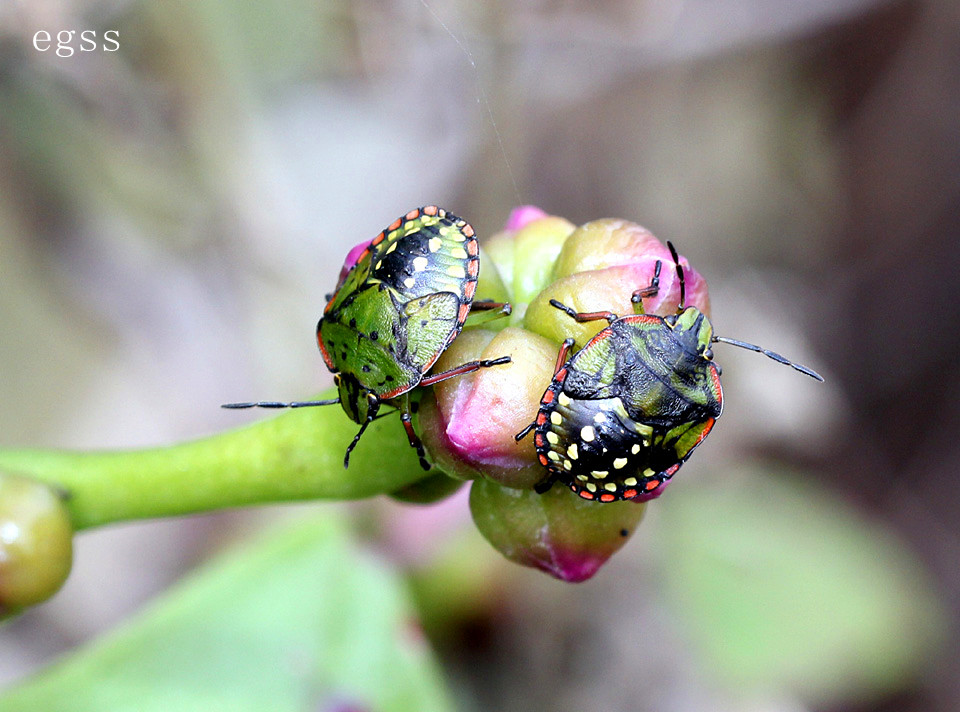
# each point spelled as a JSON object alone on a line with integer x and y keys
{"x": 295, "y": 456}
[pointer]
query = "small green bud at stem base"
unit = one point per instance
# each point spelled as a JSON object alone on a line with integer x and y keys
{"x": 36, "y": 542}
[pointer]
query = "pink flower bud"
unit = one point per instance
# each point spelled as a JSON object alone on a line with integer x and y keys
{"x": 522, "y": 215}
{"x": 468, "y": 423}
{"x": 353, "y": 256}
{"x": 563, "y": 535}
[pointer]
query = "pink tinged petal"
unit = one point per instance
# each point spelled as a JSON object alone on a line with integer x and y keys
{"x": 481, "y": 412}
{"x": 601, "y": 244}
{"x": 353, "y": 257}
{"x": 572, "y": 566}
{"x": 557, "y": 533}
{"x": 522, "y": 215}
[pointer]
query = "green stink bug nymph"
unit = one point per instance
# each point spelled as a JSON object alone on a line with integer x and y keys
{"x": 627, "y": 410}
{"x": 400, "y": 301}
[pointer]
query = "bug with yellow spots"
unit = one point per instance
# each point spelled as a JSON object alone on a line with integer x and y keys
{"x": 401, "y": 300}
{"x": 627, "y": 410}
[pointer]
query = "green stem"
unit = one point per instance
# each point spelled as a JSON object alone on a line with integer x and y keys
{"x": 297, "y": 455}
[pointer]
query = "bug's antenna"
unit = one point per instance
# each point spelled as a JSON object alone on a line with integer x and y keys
{"x": 770, "y": 354}
{"x": 676, "y": 259}
{"x": 274, "y": 404}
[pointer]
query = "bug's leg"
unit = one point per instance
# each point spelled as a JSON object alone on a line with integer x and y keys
{"x": 525, "y": 432}
{"x": 486, "y": 304}
{"x": 561, "y": 359}
{"x": 546, "y": 483}
{"x": 415, "y": 441}
{"x": 274, "y": 404}
{"x": 468, "y": 367}
{"x": 373, "y": 405}
{"x": 484, "y": 311}
{"x": 584, "y": 316}
{"x": 562, "y": 353}
{"x": 651, "y": 291}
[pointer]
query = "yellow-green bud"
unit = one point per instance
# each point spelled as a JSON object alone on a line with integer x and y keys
{"x": 36, "y": 542}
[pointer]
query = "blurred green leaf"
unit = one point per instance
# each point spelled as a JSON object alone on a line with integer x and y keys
{"x": 299, "y": 621}
{"x": 781, "y": 586}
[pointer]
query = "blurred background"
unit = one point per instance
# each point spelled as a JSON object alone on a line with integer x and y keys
{"x": 172, "y": 213}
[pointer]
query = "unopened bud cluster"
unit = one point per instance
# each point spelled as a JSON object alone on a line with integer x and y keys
{"x": 468, "y": 424}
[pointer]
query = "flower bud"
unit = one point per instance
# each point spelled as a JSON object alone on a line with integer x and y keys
{"x": 563, "y": 535}
{"x": 353, "y": 256}
{"x": 525, "y": 256}
{"x": 36, "y": 542}
{"x": 468, "y": 426}
{"x": 468, "y": 423}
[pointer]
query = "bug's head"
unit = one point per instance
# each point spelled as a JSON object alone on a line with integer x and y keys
{"x": 692, "y": 325}
{"x": 357, "y": 401}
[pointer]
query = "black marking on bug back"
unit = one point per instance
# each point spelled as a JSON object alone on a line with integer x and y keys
{"x": 414, "y": 265}
{"x": 611, "y": 422}
{"x": 596, "y": 448}
{"x": 655, "y": 370}
{"x": 422, "y": 268}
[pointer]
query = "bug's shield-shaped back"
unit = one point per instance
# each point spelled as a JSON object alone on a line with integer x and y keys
{"x": 430, "y": 321}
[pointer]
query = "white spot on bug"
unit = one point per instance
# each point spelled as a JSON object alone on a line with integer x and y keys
{"x": 600, "y": 474}
{"x": 630, "y": 481}
{"x": 648, "y": 473}
{"x": 567, "y": 465}
{"x": 635, "y": 449}
{"x": 459, "y": 253}
{"x": 556, "y": 418}
{"x": 587, "y": 433}
{"x": 610, "y": 487}
{"x": 435, "y": 244}
{"x": 582, "y": 478}
{"x": 599, "y": 418}
{"x": 572, "y": 452}
{"x": 619, "y": 463}
{"x": 456, "y": 271}
{"x": 379, "y": 263}
{"x": 563, "y": 399}
{"x": 552, "y": 437}
{"x": 591, "y": 487}
{"x": 420, "y": 263}
{"x": 392, "y": 247}
{"x": 553, "y": 456}
{"x": 409, "y": 282}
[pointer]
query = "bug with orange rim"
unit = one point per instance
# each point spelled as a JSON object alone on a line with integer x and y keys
{"x": 622, "y": 414}
{"x": 401, "y": 300}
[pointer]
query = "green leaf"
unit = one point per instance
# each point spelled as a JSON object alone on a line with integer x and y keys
{"x": 782, "y": 587}
{"x": 299, "y": 621}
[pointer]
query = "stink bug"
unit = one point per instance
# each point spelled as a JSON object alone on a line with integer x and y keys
{"x": 625, "y": 412}
{"x": 400, "y": 301}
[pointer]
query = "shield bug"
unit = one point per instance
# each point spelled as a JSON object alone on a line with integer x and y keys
{"x": 400, "y": 301}
{"x": 627, "y": 410}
